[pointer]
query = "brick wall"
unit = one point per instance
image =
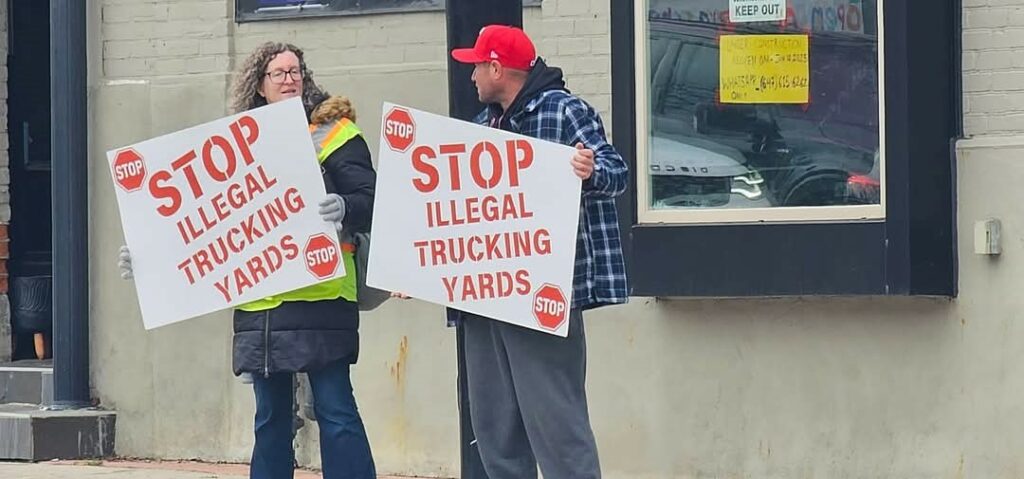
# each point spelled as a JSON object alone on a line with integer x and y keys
{"x": 146, "y": 38}
{"x": 150, "y": 39}
{"x": 574, "y": 35}
{"x": 5, "y": 195}
{"x": 344, "y": 46}
{"x": 993, "y": 63}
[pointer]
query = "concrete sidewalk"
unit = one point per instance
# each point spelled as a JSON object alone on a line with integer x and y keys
{"x": 134, "y": 470}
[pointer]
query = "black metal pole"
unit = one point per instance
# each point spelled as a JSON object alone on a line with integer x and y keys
{"x": 70, "y": 174}
{"x": 465, "y": 18}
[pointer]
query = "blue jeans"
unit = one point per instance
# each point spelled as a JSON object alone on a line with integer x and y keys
{"x": 344, "y": 448}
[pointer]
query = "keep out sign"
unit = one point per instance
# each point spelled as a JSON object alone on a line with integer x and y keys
{"x": 744, "y": 11}
{"x": 220, "y": 214}
{"x": 475, "y": 218}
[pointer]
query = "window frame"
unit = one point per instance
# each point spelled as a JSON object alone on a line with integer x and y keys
{"x": 649, "y": 215}
{"x": 912, "y": 251}
{"x": 248, "y": 16}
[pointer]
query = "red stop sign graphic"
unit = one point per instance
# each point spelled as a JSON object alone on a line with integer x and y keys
{"x": 399, "y": 129}
{"x": 322, "y": 256}
{"x": 550, "y": 307}
{"x": 129, "y": 170}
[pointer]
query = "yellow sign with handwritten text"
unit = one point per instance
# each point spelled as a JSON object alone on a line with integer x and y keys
{"x": 764, "y": 69}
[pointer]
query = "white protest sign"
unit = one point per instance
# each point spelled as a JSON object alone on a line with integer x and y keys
{"x": 475, "y": 218}
{"x": 743, "y": 11}
{"x": 224, "y": 213}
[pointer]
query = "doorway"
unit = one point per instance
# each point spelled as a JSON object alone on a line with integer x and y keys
{"x": 30, "y": 229}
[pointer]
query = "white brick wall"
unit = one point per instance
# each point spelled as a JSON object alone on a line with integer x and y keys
{"x": 993, "y": 63}
{"x": 397, "y": 42}
{"x": 574, "y": 35}
{"x": 147, "y": 38}
{"x": 150, "y": 38}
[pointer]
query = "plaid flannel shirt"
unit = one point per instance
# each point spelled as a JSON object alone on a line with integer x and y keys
{"x": 600, "y": 274}
{"x": 599, "y": 278}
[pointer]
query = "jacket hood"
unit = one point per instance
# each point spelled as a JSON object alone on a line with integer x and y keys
{"x": 542, "y": 78}
{"x": 332, "y": 109}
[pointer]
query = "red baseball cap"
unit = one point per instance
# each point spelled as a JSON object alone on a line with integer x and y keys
{"x": 508, "y": 45}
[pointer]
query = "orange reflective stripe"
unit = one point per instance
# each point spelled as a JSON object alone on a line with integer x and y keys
{"x": 348, "y": 247}
{"x": 334, "y": 131}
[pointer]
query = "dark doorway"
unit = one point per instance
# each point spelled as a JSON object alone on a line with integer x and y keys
{"x": 30, "y": 265}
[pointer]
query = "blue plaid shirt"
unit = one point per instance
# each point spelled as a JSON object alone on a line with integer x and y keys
{"x": 557, "y": 116}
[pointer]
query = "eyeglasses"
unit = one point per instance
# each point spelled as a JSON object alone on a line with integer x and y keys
{"x": 277, "y": 76}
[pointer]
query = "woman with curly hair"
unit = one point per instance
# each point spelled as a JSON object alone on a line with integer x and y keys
{"x": 314, "y": 330}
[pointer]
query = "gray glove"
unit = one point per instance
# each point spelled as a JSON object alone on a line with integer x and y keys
{"x": 332, "y": 210}
{"x": 124, "y": 263}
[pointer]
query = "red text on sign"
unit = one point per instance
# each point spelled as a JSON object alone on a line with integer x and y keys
{"x": 487, "y": 247}
{"x": 222, "y": 204}
{"x": 219, "y": 161}
{"x": 257, "y": 268}
{"x": 474, "y": 210}
{"x": 251, "y": 229}
{"x": 480, "y": 286}
{"x": 487, "y": 165}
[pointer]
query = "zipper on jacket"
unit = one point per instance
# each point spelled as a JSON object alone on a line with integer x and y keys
{"x": 266, "y": 344}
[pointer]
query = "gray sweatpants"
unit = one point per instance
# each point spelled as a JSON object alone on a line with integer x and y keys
{"x": 528, "y": 401}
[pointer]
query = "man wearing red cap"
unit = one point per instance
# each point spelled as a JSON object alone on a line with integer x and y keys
{"x": 527, "y": 389}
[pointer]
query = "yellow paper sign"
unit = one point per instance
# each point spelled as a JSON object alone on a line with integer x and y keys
{"x": 764, "y": 69}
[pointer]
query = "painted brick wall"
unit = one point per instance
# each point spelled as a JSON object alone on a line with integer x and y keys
{"x": 574, "y": 35}
{"x": 399, "y": 41}
{"x": 5, "y": 195}
{"x": 993, "y": 63}
{"x": 144, "y": 39}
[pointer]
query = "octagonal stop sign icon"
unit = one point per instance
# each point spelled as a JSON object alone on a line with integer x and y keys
{"x": 129, "y": 170}
{"x": 322, "y": 256}
{"x": 399, "y": 129}
{"x": 550, "y": 307}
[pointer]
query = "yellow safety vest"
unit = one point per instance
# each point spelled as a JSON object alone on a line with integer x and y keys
{"x": 327, "y": 139}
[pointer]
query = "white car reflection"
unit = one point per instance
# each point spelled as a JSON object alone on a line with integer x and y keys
{"x": 702, "y": 174}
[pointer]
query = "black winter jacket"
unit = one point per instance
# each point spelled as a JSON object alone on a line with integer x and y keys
{"x": 302, "y": 336}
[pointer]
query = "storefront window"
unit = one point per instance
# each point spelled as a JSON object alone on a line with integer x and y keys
{"x": 759, "y": 110}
